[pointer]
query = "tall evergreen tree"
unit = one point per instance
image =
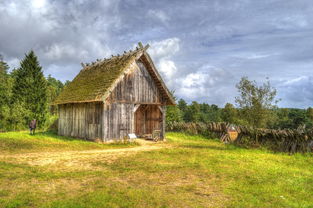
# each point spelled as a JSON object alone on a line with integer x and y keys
{"x": 30, "y": 89}
{"x": 5, "y": 89}
{"x": 54, "y": 87}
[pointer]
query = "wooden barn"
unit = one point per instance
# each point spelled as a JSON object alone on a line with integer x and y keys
{"x": 112, "y": 98}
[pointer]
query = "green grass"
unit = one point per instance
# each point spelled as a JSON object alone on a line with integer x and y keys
{"x": 191, "y": 171}
{"x": 22, "y": 142}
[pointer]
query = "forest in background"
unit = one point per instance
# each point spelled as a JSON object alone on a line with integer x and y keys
{"x": 25, "y": 94}
{"x": 277, "y": 118}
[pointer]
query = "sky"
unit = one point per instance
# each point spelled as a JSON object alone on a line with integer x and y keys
{"x": 201, "y": 48}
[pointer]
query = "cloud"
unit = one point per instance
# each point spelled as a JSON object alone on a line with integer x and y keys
{"x": 162, "y": 53}
{"x": 201, "y": 48}
{"x": 164, "y": 48}
{"x": 297, "y": 92}
{"x": 59, "y": 32}
{"x": 167, "y": 68}
{"x": 158, "y": 14}
{"x": 206, "y": 85}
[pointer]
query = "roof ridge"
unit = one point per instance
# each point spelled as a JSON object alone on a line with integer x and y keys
{"x": 98, "y": 61}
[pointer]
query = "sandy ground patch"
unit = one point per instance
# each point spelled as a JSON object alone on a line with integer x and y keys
{"x": 80, "y": 159}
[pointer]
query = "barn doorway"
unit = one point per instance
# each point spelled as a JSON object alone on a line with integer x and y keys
{"x": 147, "y": 119}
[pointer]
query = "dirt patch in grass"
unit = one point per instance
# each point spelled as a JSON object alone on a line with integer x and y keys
{"x": 78, "y": 160}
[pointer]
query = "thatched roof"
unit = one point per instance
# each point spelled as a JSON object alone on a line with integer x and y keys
{"x": 95, "y": 81}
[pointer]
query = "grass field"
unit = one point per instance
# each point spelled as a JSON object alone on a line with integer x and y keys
{"x": 22, "y": 142}
{"x": 188, "y": 171}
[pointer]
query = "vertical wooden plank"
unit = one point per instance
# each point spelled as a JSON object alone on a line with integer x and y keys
{"x": 60, "y": 119}
{"x": 103, "y": 124}
{"x": 118, "y": 121}
{"x": 163, "y": 122}
{"x": 111, "y": 121}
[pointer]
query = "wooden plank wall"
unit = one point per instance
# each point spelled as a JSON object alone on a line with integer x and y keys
{"x": 82, "y": 120}
{"x": 136, "y": 87}
{"x": 118, "y": 121}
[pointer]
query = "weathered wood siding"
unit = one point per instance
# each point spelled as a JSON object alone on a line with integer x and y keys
{"x": 136, "y": 87}
{"x": 147, "y": 119}
{"x": 116, "y": 118}
{"x": 82, "y": 120}
{"x": 118, "y": 121}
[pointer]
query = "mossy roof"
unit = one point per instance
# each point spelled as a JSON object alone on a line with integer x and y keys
{"x": 94, "y": 81}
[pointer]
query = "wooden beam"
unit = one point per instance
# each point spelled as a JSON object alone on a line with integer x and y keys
{"x": 135, "y": 103}
{"x": 161, "y": 109}
{"x": 136, "y": 107}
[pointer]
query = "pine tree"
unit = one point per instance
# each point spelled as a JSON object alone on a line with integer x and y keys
{"x": 30, "y": 89}
{"x": 5, "y": 89}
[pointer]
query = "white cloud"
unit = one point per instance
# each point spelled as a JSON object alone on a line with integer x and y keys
{"x": 89, "y": 50}
{"x": 168, "y": 68}
{"x": 158, "y": 14}
{"x": 207, "y": 84}
{"x": 163, "y": 52}
{"x": 297, "y": 92}
{"x": 61, "y": 34}
{"x": 164, "y": 48}
{"x": 64, "y": 51}
{"x": 38, "y": 4}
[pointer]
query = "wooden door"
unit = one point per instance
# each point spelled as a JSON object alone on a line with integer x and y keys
{"x": 147, "y": 119}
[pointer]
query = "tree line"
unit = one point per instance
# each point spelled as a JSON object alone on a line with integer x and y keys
{"x": 255, "y": 106}
{"x": 26, "y": 94}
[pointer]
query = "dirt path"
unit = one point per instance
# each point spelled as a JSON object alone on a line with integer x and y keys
{"x": 79, "y": 159}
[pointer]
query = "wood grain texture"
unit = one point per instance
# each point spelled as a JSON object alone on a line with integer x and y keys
{"x": 82, "y": 120}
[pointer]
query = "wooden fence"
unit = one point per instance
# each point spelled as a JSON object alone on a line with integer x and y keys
{"x": 286, "y": 140}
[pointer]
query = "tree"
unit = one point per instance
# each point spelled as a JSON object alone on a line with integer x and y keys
{"x": 30, "y": 89}
{"x": 256, "y": 101}
{"x": 230, "y": 113}
{"x": 309, "y": 112}
{"x": 173, "y": 113}
{"x": 182, "y": 105}
{"x": 205, "y": 112}
{"x": 193, "y": 112}
{"x": 54, "y": 87}
{"x": 5, "y": 89}
{"x": 298, "y": 117}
